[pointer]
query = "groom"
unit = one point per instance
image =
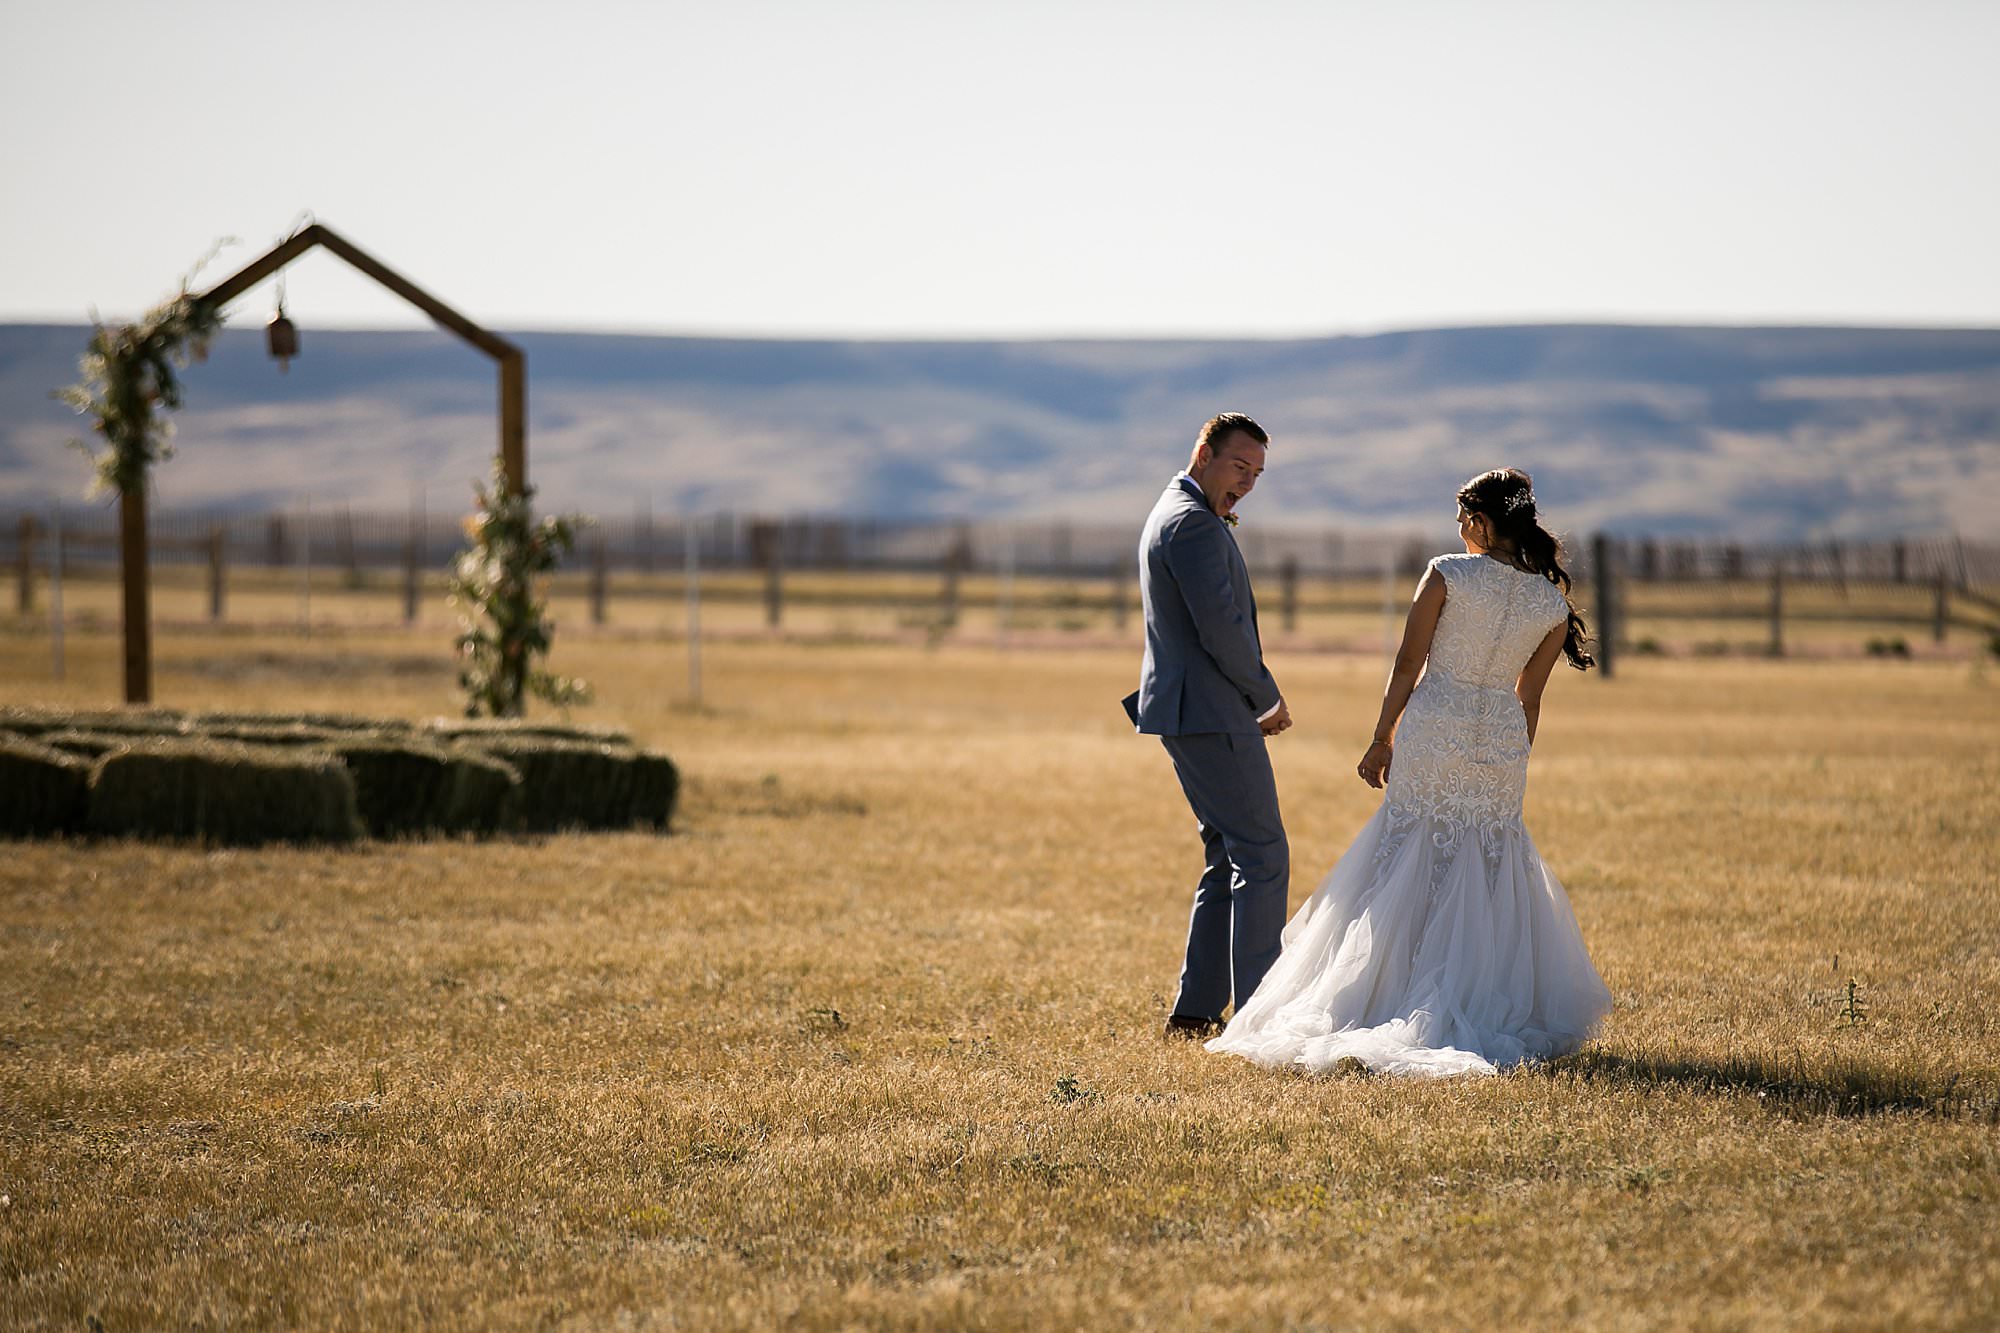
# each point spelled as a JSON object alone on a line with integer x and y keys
{"x": 1204, "y": 691}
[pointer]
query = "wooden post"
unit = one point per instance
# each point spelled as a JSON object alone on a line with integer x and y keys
{"x": 24, "y": 551}
{"x": 137, "y": 596}
{"x": 413, "y": 558}
{"x": 1120, "y": 600}
{"x": 1941, "y": 608}
{"x": 1777, "y": 607}
{"x": 1389, "y": 639}
{"x": 1601, "y": 557}
{"x": 343, "y": 546}
{"x": 56, "y": 588}
{"x": 767, "y": 550}
{"x": 597, "y": 579}
{"x": 691, "y": 552}
{"x": 217, "y": 553}
{"x": 1899, "y": 561}
{"x": 774, "y": 579}
{"x": 305, "y": 571}
{"x": 954, "y": 559}
{"x": 1003, "y": 616}
{"x": 1288, "y": 585}
{"x": 410, "y": 576}
{"x": 514, "y": 419}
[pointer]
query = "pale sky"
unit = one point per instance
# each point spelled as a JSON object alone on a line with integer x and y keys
{"x": 873, "y": 167}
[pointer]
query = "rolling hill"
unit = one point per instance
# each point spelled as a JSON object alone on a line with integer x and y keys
{"x": 1759, "y": 433}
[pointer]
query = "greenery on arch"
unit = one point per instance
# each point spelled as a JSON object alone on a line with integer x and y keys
{"x": 131, "y": 379}
{"x": 504, "y": 627}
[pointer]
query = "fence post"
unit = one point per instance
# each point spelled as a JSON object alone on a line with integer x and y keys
{"x": 413, "y": 558}
{"x": 1389, "y": 639}
{"x": 24, "y": 551}
{"x": 1607, "y": 602}
{"x": 955, "y": 558}
{"x": 767, "y": 549}
{"x": 1941, "y": 609}
{"x": 217, "y": 578}
{"x": 1288, "y": 583}
{"x": 343, "y": 546}
{"x": 691, "y": 556}
{"x": 306, "y": 570}
{"x": 56, "y": 587}
{"x": 1777, "y": 606}
{"x": 1120, "y": 608}
{"x": 410, "y": 577}
{"x": 597, "y": 579}
{"x": 1004, "y": 603}
{"x": 1898, "y": 562}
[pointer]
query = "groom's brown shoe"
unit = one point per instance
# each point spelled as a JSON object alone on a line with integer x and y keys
{"x": 1188, "y": 1027}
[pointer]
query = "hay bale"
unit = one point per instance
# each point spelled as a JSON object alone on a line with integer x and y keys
{"x": 656, "y": 786}
{"x": 86, "y": 745}
{"x": 115, "y": 721}
{"x": 407, "y": 785}
{"x": 217, "y": 722}
{"x": 402, "y": 785}
{"x": 47, "y": 789}
{"x": 485, "y": 794}
{"x": 480, "y": 729}
{"x": 566, "y": 784}
{"x": 277, "y": 733}
{"x": 222, "y": 792}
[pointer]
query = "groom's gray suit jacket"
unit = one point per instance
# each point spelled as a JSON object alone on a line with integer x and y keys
{"x": 1204, "y": 668}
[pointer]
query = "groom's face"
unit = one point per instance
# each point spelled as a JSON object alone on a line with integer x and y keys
{"x": 1230, "y": 470}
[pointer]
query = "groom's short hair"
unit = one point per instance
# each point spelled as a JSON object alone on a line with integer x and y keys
{"x": 1215, "y": 432}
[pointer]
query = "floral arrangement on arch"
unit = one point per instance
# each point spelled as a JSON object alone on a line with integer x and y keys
{"x": 130, "y": 379}
{"x": 504, "y": 629}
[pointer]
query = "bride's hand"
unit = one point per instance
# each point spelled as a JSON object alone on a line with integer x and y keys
{"x": 1374, "y": 765}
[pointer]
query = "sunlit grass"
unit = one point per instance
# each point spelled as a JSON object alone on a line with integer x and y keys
{"x": 871, "y": 1038}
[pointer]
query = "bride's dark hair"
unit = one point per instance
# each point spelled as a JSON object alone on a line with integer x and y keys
{"x": 1507, "y": 497}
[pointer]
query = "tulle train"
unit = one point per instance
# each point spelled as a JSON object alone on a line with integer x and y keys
{"x": 1486, "y": 971}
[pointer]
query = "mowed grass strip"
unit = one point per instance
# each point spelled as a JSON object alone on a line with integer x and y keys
{"x": 870, "y": 1039}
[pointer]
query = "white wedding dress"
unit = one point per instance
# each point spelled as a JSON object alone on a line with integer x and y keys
{"x": 1440, "y": 944}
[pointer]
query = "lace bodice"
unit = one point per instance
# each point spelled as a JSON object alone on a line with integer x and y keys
{"x": 1461, "y": 760}
{"x": 1495, "y": 616}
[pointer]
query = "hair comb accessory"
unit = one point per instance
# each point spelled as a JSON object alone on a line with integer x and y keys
{"x": 1520, "y": 499}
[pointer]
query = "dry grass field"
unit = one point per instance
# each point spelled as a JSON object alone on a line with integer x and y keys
{"x": 870, "y": 1039}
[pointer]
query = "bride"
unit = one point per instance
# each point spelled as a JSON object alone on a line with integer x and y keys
{"x": 1440, "y": 944}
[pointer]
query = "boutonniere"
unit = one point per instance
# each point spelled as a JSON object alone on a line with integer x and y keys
{"x": 1230, "y": 519}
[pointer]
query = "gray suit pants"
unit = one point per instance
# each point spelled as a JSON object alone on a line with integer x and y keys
{"x": 1239, "y": 904}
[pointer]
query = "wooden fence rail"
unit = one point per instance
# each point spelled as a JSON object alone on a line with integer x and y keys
{"x": 1045, "y": 565}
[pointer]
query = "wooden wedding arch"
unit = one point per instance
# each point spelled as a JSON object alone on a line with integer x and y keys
{"x": 513, "y": 365}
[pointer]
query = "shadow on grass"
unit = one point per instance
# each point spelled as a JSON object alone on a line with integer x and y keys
{"x": 1792, "y": 1087}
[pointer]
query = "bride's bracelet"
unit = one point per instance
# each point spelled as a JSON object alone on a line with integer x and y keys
{"x": 1387, "y": 745}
